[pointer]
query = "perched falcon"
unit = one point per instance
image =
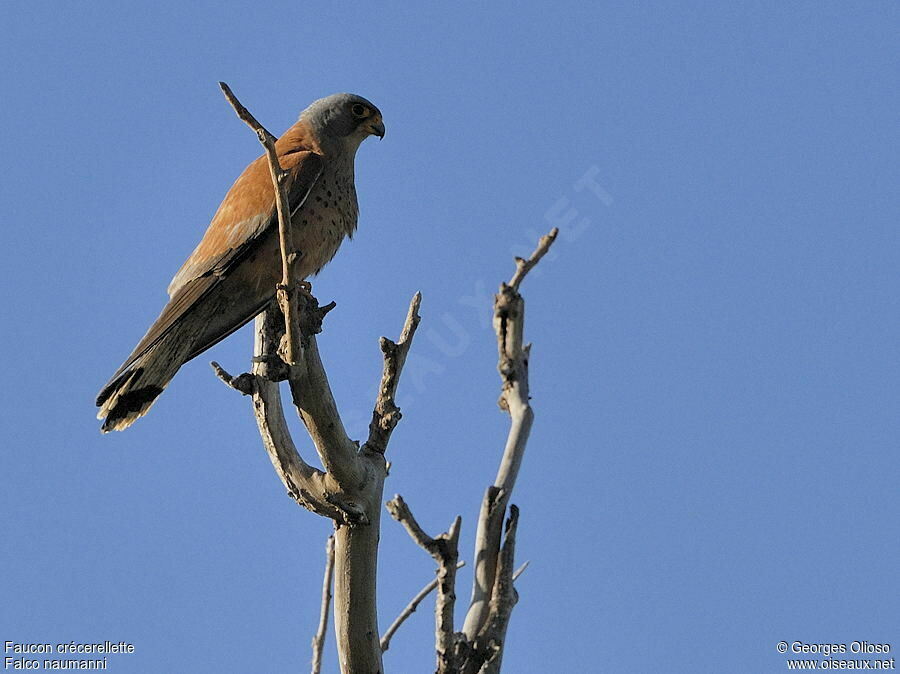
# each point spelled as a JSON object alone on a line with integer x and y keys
{"x": 231, "y": 275}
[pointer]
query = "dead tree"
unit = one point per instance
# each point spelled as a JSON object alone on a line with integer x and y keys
{"x": 349, "y": 489}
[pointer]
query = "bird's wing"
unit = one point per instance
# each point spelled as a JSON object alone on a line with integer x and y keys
{"x": 247, "y": 212}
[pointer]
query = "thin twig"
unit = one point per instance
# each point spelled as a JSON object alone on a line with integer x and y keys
{"x": 245, "y": 115}
{"x": 521, "y": 570}
{"x": 525, "y": 266}
{"x": 287, "y": 289}
{"x": 318, "y": 642}
{"x": 243, "y": 383}
{"x": 412, "y": 606}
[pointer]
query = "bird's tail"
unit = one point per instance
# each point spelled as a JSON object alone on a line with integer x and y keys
{"x": 136, "y": 386}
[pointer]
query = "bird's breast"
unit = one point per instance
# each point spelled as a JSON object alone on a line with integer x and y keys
{"x": 328, "y": 215}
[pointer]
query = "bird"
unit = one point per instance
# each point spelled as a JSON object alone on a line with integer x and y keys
{"x": 232, "y": 274}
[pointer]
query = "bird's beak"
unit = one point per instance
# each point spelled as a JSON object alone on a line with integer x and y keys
{"x": 376, "y": 127}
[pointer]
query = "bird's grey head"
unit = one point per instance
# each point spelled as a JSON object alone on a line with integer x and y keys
{"x": 347, "y": 118}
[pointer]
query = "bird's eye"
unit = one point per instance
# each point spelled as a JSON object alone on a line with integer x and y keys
{"x": 358, "y": 109}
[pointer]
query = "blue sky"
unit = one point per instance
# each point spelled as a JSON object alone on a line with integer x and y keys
{"x": 714, "y": 462}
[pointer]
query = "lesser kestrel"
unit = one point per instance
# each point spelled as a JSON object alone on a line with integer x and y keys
{"x": 232, "y": 274}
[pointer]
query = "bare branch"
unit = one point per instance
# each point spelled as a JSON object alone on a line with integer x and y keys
{"x": 525, "y": 266}
{"x": 520, "y": 570}
{"x": 509, "y": 322}
{"x": 245, "y": 115}
{"x": 400, "y": 511}
{"x": 287, "y": 289}
{"x": 411, "y": 608}
{"x": 318, "y": 642}
{"x": 306, "y": 484}
{"x": 445, "y": 551}
{"x": 386, "y": 414}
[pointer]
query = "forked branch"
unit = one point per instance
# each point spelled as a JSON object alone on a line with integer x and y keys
{"x": 445, "y": 551}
